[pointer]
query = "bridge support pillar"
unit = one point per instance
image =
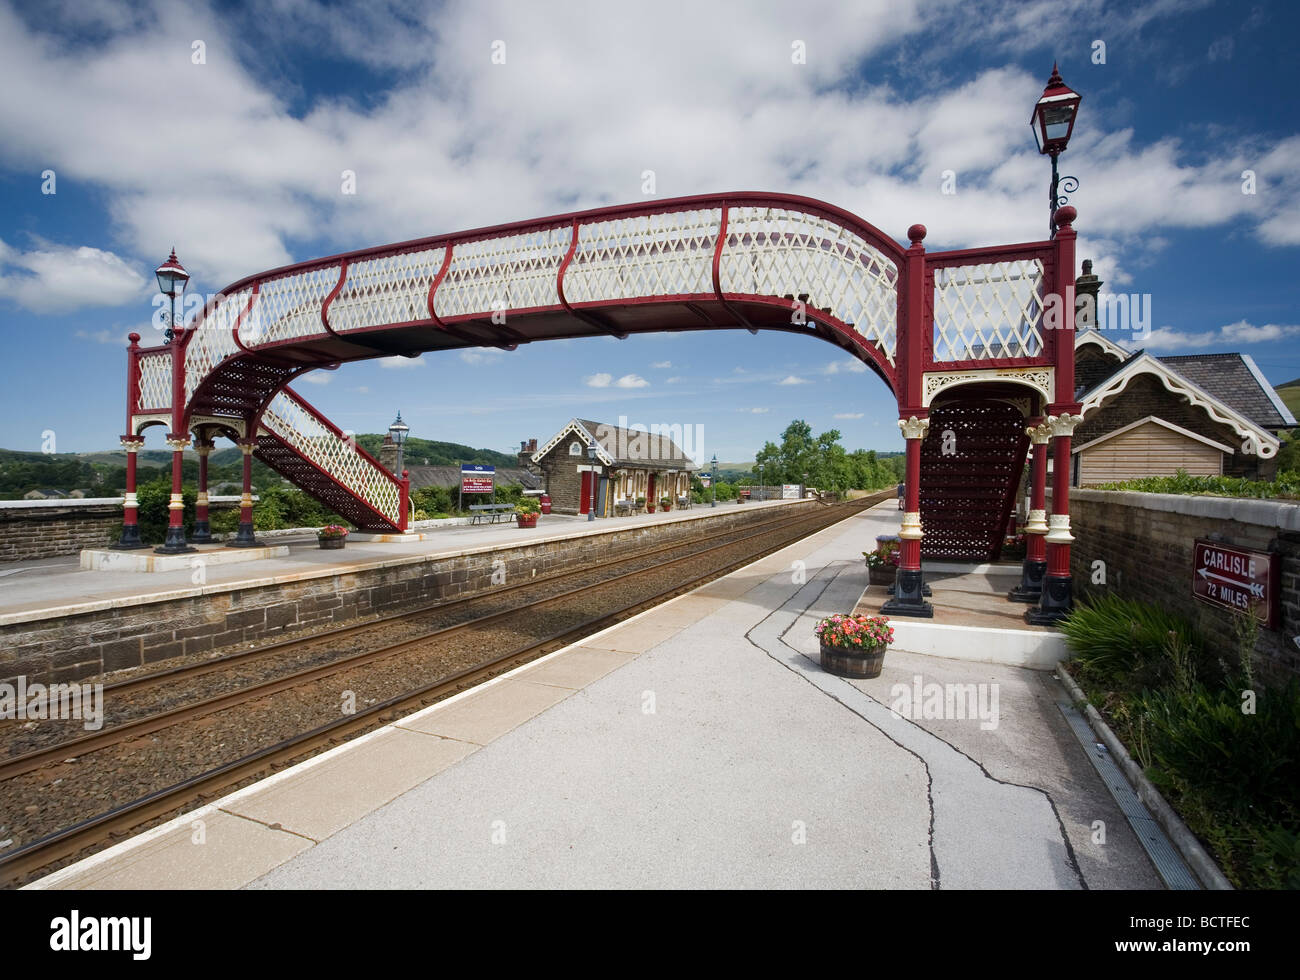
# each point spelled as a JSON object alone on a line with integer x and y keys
{"x": 1034, "y": 567}
{"x": 245, "y": 538}
{"x": 174, "y": 543}
{"x": 130, "y": 539}
{"x": 1057, "y": 599}
{"x": 909, "y": 587}
{"x": 202, "y": 528}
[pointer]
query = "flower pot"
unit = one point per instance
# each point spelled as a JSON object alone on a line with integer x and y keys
{"x": 332, "y": 544}
{"x": 649, "y": 508}
{"x": 667, "y": 507}
{"x": 882, "y": 574}
{"x": 853, "y": 661}
{"x": 526, "y": 520}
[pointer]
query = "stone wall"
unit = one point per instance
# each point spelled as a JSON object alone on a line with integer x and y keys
{"x": 113, "y": 636}
{"x": 47, "y": 528}
{"x": 1146, "y": 541}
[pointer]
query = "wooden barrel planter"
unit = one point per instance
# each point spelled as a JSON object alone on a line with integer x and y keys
{"x": 526, "y": 520}
{"x": 882, "y": 574}
{"x": 853, "y": 662}
{"x": 332, "y": 544}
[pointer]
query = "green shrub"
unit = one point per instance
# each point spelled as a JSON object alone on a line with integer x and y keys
{"x": 1286, "y": 485}
{"x": 433, "y": 500}
{"x": 1122, "y": 642}
{"x": 153, "y": 498}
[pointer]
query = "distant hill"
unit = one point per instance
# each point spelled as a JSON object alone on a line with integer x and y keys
{"x": 439, "y": 453}
{"x": 1290, "y": 395}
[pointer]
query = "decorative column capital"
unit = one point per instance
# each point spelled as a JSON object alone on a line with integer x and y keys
{"x": 1060, "y": 529}
{"x": 914, "y": 428}
{"x": 1037, "y": 522}
{"x": 177, "y": 445}
{"x": 911, "y": 529}
{"x": 1039, "y": 434}
{"x": 132, "y": 444}
{"x": 247, "y": 446}
{"x": 1063, "y": 424}
{"x": 203, "y": 448}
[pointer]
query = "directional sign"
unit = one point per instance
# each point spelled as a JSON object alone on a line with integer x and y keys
{"x": 1245, "y": 581}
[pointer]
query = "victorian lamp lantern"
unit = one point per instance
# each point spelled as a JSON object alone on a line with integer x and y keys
{"x": 399, "y": 430}
{"x": 1053, "y": 123}
{"x": 172, "y": 278}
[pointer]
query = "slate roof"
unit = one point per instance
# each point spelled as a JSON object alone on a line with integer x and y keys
{"x": 1234, "y": 380}
{"x": 632, "y": 447}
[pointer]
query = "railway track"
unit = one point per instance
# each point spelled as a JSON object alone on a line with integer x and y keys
{"x": 72, "y": 838}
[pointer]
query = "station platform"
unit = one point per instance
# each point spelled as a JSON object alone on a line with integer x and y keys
{"x": 53, "y": 587}
{"x": 698, "y": 745}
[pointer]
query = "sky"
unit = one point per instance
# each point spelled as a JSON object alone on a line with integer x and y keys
{"x": 223, "y": 130}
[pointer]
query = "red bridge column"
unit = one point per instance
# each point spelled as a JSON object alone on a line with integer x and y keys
{"x": 245, "y": 537}
{"x": 909, "y": 588}
{"x": 1058, "y": 588}
{"x": 174, "y": 543}
{"x": 130, "y": 539}
{"x": 202, "y": 530}
{"x": 1034, "y": 566}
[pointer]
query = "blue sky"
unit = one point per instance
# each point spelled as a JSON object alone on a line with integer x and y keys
{"x": 236, "y": 161}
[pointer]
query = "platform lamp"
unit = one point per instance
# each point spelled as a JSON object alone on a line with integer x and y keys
{"x": 713, "y": 483}
{"x": 172, "y": 278}
{"x": 398, "y": 431}
{"x": 595, "y": 484}
{"x": 1053, "y": 123}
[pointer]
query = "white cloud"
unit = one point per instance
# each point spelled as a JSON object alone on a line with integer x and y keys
{"x": 479, "y": 356}
{"x": 791, "y": 379}
{"x": 362, "y": 389}
{"x": 662, "y": 365}
{"x": 672, "y": 381}
{"x": 399, "y": 362}
{"x": 850, "y": 365}
{"x": 601, "y": 380}
{"x": 849, "y": 415}
{"x": 113, "y": 337}
{"x": 63, "y": 278}
{"x": 1231, "y": 335}
{"x": 631, "y": 381}
{"x": 757, "y": 411}
{"x": 315, "y": 377}
{"x": 522, "y": 128}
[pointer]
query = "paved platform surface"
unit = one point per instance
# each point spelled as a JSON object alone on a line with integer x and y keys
{"x": 49, "y": 587}
{"x": 699, "y": 745}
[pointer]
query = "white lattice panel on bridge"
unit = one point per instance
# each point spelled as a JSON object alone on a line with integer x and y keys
{"x": 287, "y": 418}
{"x": 647, "y": 255}
{"x": 289, "y": 307}
{"x": 777, "y": 252}
{"x": 513, "y": 272}
{"x": 155, "y": 380}
{"x": 388, "y": 289}
{"x": 212, "y": 340}
{"x": 989, "y": 310}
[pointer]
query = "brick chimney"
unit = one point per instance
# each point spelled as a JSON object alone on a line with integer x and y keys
{"x": 526, "y": 449}
{"x": 388, "y": 454}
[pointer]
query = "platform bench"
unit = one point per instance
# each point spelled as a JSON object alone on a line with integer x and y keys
{"x": 491, "y": 513}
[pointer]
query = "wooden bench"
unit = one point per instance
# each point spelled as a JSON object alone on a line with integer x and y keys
{"x": 491, "y": 513}
{"x": 623, "y": 508}
{"x": 683, "y": 503}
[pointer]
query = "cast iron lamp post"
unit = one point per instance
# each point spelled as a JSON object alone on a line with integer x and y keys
{"x": 1053, "y": 122}
{"x": 399, "y": 430}
{"x": 595, "y": 483}
{"x": 713, "y": 483}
